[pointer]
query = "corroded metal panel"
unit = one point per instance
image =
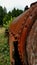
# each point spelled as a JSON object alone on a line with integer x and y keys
{"x": 22, "y": 29}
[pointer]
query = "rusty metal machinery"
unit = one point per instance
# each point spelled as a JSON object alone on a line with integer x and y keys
{"x": 23, "y": 38}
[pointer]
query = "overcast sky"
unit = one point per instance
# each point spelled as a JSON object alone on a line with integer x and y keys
{"x": 10, "y": 4}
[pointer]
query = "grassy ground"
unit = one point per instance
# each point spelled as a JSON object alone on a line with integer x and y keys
{"x": 4, "y": 48}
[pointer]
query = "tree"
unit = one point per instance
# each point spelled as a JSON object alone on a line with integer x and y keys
{"x": 5, "y": 11}
{"x": 9, "y": 15}
{"x": 1, "y": 15}
{"x": 19, "y": 12}
{"x": 16, "y": 13}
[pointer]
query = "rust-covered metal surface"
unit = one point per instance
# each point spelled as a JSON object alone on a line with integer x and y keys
{"x": 23, "y": 38}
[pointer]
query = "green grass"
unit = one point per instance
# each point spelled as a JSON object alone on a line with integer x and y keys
{"x": 4, "y": 50}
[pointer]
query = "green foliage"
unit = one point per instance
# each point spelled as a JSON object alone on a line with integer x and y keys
{"x": 6, "y": 18}
{"x": 7, "y": 23}
{"x": 5, "y": 11}
{"x": 2, "y": 14}
{"x": 4, "y": 50}
{"x": 16, "y": 13}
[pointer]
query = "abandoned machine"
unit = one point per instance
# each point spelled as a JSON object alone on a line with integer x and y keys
{"x": 23, "y": 38}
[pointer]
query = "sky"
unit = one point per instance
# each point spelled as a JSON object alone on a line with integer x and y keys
{"x": 10, "y": 4}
